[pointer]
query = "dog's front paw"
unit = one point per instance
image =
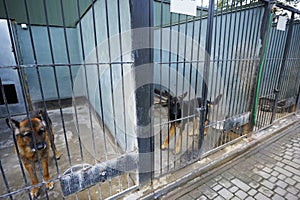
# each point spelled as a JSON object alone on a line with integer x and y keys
{"x": 164, "y": 146}
{"x": 177, "y": 150}
{"x": 50, "y": 185}
{"x": 34, "y": 192}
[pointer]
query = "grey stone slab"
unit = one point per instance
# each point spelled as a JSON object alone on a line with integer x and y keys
{"x": 292, "y": 170}
{"x": 217, "y": 187}
{"x": 281, "y": 184}
{"x": 290, "y": 181}
{"x": 291, "y": 163}
{"x": 233, "y": 189}
{"x": 268, "y": 184}
{"x": 254, "y": 184}
{"x": 281, "y": 177}
{"x": 252, "y": 192}
{"x": 291, "y": 197}
{"x": 241, "y": 194}
{"x": 277, "y": 197}
{"x": 265, "y": 191}
{"x": 219, "y": 198}
{"x": 228, "y": 175}
{"x": 225, "y": 183}
{"x": 260, "y": 196}
{"x": 273, "y": 179}
{"x": 292, "y": 190}
{"x": 280, "y": 191}
{"x": 283, "y": 171}
{"x": 240, "y": 184}
{"x": 202, "y": 198}
{"x": 195, "y": 193}
{"x": 297, "y": 186}
{"x": 225, "y": 193}
{"x": 296, "y": 178}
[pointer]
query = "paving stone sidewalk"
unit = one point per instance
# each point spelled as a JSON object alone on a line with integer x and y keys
{"x": 268, "y": 171}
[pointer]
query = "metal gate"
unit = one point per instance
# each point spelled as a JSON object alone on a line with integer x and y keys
{"x": 279, "y": 90}
{"x": 118, "y": 78}
{"x": 73, "y": 61}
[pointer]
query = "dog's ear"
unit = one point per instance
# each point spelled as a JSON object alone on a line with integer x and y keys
{"x": 182, "y": 96}
{"x": 167, "y": 94}
{"x": 14, "y": 125}
{"x": 40, "y": 114}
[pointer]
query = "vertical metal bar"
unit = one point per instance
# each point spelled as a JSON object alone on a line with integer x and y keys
{"x": 122, "y": 70}
{"x": 176, "y": 83}
{"x": 10, "y": 121}
{"x": 35, "y": 62}
{"x": 283, "y": 64}
{"x": 264, "y": 33}
{"x": 110, "y": 70}
{"x": 169, "y": 85}
{"x": 233, "y": 61}
{"x": 142, "y": 17}
{"x": 111, "y": 76}
{"x": 190, "y": 86}
{"x": 278, "y": 42}
{"x": 160, "y": 88}
{"x": 216, "y": 62}
{"x": 183, "y": 80}
{"x": 298, "y": 101}
{"x": 56, "y": 84}
{"x": 237, "y": 62}
{"x": 243, "y": 59}
{"x": 6, "y": 105}
{"x": 224, "y": 68}
{"x": 246, "y": 56}
{"x": 229, "y": 89}
{"x": 69, "y": 62}
{"x": 252, "y": 53}
{"x": 197, "y": 66}
{"x": 3, "y": 173}
{"x": 99, "y": 84}
{"x": 209, "y": 29}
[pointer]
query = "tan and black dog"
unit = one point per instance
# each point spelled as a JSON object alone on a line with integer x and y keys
{"x": 33, "y": 142}
{"x": 179, "y": 110}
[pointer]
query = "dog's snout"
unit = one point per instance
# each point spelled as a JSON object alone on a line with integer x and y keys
{"x": 41, "y": 145}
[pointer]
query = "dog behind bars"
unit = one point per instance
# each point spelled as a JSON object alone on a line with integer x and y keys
{"x": 180, "y": 110}
{"x": 34, "y": 144}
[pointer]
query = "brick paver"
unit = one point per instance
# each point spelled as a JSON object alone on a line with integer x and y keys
{"x": 270, "y": 171}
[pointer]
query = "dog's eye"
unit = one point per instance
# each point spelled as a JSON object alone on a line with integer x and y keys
{"x": 27, "y": 134}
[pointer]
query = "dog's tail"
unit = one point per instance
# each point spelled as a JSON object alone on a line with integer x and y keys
{"x": 217, "y": 100}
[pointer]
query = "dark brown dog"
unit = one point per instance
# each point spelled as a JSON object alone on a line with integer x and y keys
{"x": 33, "y": 142}
{"x": 179, "y": 110}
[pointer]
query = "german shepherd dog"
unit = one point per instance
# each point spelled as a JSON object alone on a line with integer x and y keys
{"x": 33, "y": 142}
{"x": 178, "y": 109}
